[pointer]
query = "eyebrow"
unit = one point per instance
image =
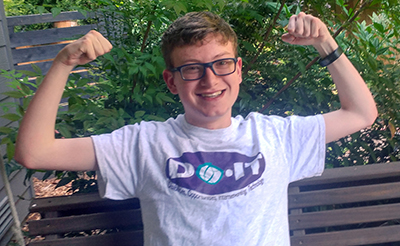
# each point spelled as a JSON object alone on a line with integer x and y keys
{"x": 216, "y": 57}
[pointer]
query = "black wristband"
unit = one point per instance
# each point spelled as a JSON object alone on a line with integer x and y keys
{"x": 329, "y": 59}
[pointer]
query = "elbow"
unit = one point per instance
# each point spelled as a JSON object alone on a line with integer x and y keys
{"x": 24, "y": 159}
{"x": 371, "y": 117}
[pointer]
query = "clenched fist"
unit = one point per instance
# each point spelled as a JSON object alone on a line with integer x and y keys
{"x": 84, "y": 50}
{"x": 304, "y": 29}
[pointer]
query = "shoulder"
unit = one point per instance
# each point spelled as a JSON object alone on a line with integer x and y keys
{"x": 275, "y": 121}
{"x": 143, "y": 127}
{"x": 258, "y": 118}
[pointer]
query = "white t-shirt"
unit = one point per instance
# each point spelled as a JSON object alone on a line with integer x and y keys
{"x": 212, "y": 187}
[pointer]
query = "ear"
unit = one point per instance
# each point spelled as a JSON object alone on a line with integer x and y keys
{"x": 169, "y": 80}
{"x": 239, "y": 69}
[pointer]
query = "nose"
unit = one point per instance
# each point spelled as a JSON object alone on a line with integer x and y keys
{"x": 209, "y": 79}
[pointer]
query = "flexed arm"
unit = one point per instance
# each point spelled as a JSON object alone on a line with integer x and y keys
{"x": 358, "y": 109}
{"x": 36, "y": 146}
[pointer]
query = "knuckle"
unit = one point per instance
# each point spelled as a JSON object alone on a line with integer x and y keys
{"x": 315, "y": 21}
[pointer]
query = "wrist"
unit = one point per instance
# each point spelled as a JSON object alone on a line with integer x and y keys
{"x": 331, "y": 58}
{"x": 59, "y": 65}
{"x": 326, "y": 48}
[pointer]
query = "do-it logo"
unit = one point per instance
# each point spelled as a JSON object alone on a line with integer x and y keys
{"x": 215, "y": 173}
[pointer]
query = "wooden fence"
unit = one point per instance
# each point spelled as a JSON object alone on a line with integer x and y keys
{"x": 41, "y": 46}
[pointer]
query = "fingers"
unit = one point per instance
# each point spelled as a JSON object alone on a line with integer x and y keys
{"x": 85, "y": 49}
{"x": 305, "y": 29}
{"x": 94, "y": 45}
{"x": 303, "y": 25}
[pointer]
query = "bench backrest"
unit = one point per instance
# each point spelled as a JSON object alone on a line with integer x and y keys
{"x": 41, "y": 46}
{"x": 346, "y": 206}
{"x": 86, "y": 219}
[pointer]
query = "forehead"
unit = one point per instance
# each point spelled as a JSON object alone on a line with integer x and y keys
{"x": 208, "y": 49}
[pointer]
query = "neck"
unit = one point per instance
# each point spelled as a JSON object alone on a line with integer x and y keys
{"x": 210, "y": 124}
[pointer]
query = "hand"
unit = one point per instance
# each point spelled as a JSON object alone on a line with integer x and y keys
{"x": 84, "y": 50}
{"x": 306, "y": 29}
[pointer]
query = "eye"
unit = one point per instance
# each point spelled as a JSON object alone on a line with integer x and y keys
{"x": 192, "y": 68}
{"x": 223, "y": 63}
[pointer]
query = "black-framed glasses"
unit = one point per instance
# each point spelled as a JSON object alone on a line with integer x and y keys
{"x": 195, "y": 71}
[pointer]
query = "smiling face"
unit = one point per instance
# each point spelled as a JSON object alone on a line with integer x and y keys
{"x": 208, "y": 101}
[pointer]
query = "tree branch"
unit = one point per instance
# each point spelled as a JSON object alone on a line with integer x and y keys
{"x": 146, "y": 34}
{"x": 266, "y": 36}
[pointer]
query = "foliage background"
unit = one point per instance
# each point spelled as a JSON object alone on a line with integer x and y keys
{"x": 129, "y": 87}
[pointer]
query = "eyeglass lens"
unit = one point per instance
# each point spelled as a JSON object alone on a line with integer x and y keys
{"x": 220, "y": 67}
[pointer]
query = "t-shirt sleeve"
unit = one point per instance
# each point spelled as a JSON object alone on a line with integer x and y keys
{"x": 115, "y": 154}
{"x": 306, "y": 146}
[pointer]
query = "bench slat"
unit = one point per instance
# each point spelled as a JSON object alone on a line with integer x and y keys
{"x": 344, "y": 216}
{"x": 345, "y": 195}
{"x": 134, "y": 238}
{"x": 119, "y": 219}
{"x": 36, "y": 53}
{"x": 45, "y": 67}
{"x": 80, "y": 201}
{"x": 48, "y": 36}
{"x": 354, "y": 173}
{"x": 44, "y": 18}
{"x": 368, "y": 236}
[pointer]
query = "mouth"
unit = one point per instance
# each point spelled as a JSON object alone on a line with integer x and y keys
{"x": 212, "y": 95}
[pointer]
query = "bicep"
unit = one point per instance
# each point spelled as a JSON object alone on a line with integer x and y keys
{"x": 341, "y": 123}
{"x": 75, "y": 154}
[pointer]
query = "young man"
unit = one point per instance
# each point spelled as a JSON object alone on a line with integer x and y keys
{"x": 203, "y": 178}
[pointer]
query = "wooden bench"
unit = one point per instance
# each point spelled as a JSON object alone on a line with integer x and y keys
{"x": 357, "y": 205}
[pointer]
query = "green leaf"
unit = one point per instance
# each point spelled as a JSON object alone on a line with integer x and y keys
{"x": 12, "y": 117}
{"x": 28, "y": 73}
{"x": 5, "y": 130}
{"x": 14, "y": 94}
{"x": 381, "y": 51}
{"x": 83, "y": 12}
{"x": 41, "y": 9}
{"x": 165, "y": 98}
{"x": 39, "y": 80}
{"x": 159, "y": 100}
{"x": 150, "y": 67}
{"x": 302, "y": 66}
{"x": 133, "y": 70}
{"x": 180, "y": 7}
{"x": 10, "y": 151}
{"x": 47, "y": 175}
{"x": 249, "y": 47}
{"x": 82, "y": 82}
{"x": 63, "y": 182}
{"x": 379, "y": 27}
{"x": 155, "y": 117}
{"x": 5, "y": 140}
{"x": 21, "y": 110}
{"x": 25, "y": 89}
{"x": 55, "y": 11}
{"x": 64, "y": 131}
{"x": 139, "y": 114}
{"x": 298, "y": 9}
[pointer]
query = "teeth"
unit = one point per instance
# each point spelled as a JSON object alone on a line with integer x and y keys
{"x": 212, "y": 95}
